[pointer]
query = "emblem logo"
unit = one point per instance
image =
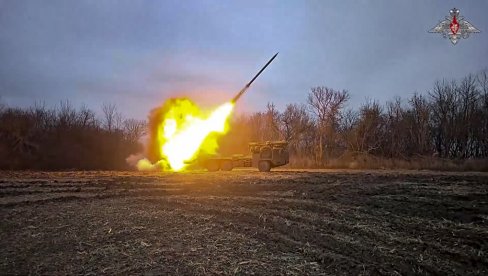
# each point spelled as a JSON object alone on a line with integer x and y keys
{"x": 454, "y": 27}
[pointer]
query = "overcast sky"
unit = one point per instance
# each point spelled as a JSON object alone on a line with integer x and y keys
{"x": 138, "y": 53}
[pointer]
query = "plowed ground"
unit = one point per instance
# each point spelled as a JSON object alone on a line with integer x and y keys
{"x": 244, "y": 222}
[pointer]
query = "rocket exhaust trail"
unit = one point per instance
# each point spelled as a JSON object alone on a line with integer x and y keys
{"x": 249, "y": 83}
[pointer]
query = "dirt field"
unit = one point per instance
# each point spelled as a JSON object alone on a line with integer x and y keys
{"x": 244, "y": 222}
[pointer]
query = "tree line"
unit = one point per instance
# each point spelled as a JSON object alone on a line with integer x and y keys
{"x": 449, "y": 122}
{"x": 64, "y": 137}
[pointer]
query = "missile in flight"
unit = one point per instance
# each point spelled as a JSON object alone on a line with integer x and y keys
{"x": 244, "y": 89}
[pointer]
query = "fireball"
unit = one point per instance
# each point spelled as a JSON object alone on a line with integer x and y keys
{"x": 182, "y": 131}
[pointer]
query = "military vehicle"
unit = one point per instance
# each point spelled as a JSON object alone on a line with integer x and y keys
{"x": 264, "y": 156}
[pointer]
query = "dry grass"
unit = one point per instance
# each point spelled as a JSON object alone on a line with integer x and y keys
{"x": 366, "y": 161}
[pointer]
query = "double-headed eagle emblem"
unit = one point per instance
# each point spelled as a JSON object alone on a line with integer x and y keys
{"x": 454, "y": 27}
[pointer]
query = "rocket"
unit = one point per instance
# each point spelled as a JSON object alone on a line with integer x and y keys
{"x": 249, "y": 83}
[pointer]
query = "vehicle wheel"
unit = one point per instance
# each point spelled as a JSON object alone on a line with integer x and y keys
{"x": 264, "y": 166}
{"x": 226, "y": 166}
{"x": 212, "y": 166}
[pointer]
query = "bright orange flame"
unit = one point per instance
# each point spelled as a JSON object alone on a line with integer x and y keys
{"x": 185, "y": 131}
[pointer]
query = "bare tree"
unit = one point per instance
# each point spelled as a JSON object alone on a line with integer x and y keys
{"x": 257, "y": 124}
{"x": 348, "y": 124}
{"x": 134, "y": 129}
{"x": 112, "y": 118}
{"x": 272, "y": 131}
{"x": 443, "y": 102}
{"x": 370, "y": 129}
{"x": 66, "y": 114}
{"x": 294, "y": 123}
{"x": 326, "y": 104}
{"x": 419, "y": 128}
{"x": 467, "y": 125}
{"x": 482, "y": 80}
{"x": 394, "y": 144}
{"x": 86, "y": 117}
{"x": 44, "y": 118}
